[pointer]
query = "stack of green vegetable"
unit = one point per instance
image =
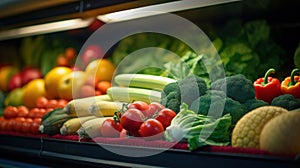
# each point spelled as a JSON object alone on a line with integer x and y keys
{"x": 216, "y": 109}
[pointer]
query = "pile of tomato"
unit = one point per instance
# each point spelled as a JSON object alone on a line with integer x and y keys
{"x": 139, "y": 120}
{"x": 25, "y": 120}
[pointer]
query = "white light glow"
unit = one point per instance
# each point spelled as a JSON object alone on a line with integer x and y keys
{"x": 159, "y": 9}
{"x": 45, "y": 28}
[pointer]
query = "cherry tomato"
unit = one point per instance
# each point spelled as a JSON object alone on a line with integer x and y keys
{"x": 23, "y": 111}
{"x": 3, "y": 125}
{"x": 110, "y": 128}
{"x": 151, "y": 129}
{"x": 154, "y": 108}
{"x": 140, "y": 105}
{"x": 41, "y": 102}
{"x": 165, "y": 117}
{"x": 131, "y": 120}
{"x": 52, "y": 103}
{"x": 18, "y": 123}
{"x": 26, "y": 126}
{"x": 10, "y": 112}
{"x": 10, "y": 124}
{"x": 35, "y": 125}
{"x": 61, "y": 103}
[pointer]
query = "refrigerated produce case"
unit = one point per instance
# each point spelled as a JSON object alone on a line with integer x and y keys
{"x": 65, "y": 151}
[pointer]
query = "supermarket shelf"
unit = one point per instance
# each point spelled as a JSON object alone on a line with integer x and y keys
{"x": 53, "y": 152}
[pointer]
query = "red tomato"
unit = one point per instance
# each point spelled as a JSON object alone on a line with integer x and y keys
{"x": 61, "y": 103}
{"x": 26, "y": 125}
{"x": 10, "y": 112}
{"x": 3, "y": 125}
{"x": 18, "y": 123}
{"x": 151, "y": 129}
{"x": 41, "y": 102}
{"x": 35, "y": 125}
{"x": 165, "y": 117}
{"x": 140, "y": 105}
{"x": 110, "y": 128}
{"x": 154, "y": 107}
{"x": 10, "y": 124}
{"x": 131, "y": 120}
{"x": 23, "y": 111}
{"x": 52, "y": 103}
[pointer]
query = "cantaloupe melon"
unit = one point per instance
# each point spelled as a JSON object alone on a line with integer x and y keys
{"x": 282, "y": 134}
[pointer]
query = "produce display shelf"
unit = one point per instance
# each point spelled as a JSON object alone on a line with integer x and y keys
{"x": 68, "y": 151}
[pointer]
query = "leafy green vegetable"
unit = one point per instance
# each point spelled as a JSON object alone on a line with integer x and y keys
{"x": 248, "y": 48}
{"x": 199, "y": 130}
{"x": 297, "y": 57}
{"x": 147, "y": 50}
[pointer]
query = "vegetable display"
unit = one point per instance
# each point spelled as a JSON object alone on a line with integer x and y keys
{"x": 267, "y": 87}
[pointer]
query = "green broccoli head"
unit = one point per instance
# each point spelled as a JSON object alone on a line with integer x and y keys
{"x": 237, "y": 87}
{"x": 172, "y": 101}
{"x": 216, "y": 106}
{"x": 170, "y": 88}
{"x": 252, "y": 104}
{"x": 191, "y": 88}
{"x": 186, "y": 90}
{"x": 286, "y": 101}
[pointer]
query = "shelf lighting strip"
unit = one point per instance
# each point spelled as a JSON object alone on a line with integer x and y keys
{"x": 45, "y": 28}
{"x": 159, "y": 9}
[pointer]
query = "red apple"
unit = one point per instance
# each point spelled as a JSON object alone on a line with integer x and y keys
{"x": 29, "y": 74}
{"x": 15, "y": 82}
{"x": 90, "y": 53}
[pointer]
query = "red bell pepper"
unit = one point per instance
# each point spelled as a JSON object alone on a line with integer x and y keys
{"x": 291, "y": 84}
{"x": 268, "y": 87}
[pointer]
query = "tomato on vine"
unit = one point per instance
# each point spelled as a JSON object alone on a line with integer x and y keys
{"x": 111, "y": 128}
{"x": 151, "y": 129}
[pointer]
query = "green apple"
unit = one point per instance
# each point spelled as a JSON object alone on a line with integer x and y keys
{"x": 15, "y": 97}
{"x": 69, "y": 85}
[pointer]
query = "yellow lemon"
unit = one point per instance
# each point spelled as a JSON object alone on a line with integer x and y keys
{"x": 52, "y": 79}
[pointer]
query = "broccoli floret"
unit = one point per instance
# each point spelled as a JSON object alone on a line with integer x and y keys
{"x": 170, "y": 88}
{"x": 252, "y": 104}
{"x": 186, "y": 90}
{"x": 216, "y": 92}
{"x": 216, "y": 106}
{"x": 237, "y": 87}
{"x": 191, "y": 88}
{"x": 174, "y": 104}
{"x": 286, "y": 101}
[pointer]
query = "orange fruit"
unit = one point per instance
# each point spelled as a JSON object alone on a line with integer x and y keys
{"x": 70, "y": 53}
{"x": 52, "y": 79}
{"x": 32, "y": 91}
{"x": 102, "y": 69}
